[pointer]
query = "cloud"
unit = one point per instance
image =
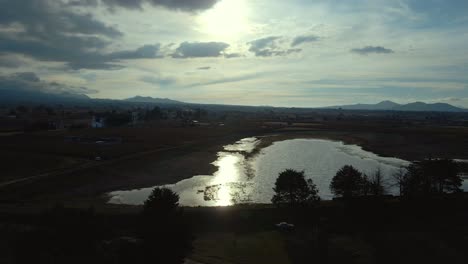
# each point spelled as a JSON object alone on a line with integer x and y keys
{"x": 158, "y": 80}
{"x": 180, "y": 5}
{"x": 233, "y": 79}
{"x": 30, "y": 82}
{"x": 110, "y": 61}
{"x": 46, "y": 31}
{"x": 232, "y": 55}
{"x": 83, "y": 3}
{"x": 145, "y": 52}
{"x": 372, "y": 49}
{"x": 200, "y": 49}
{"x": 10, "y": 62}
{"x": 27, "y": 76}
{"x": 41, "y": 18}
{"x": 303, "y": 39}
{"x": 268, "y": 47}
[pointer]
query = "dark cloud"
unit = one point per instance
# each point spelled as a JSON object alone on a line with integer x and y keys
{"x": 303, "y": 39}
{"x": 83, "y": 3}
{"x": 181, "y": 5}
{"x": 268, "y": 47}
{"x": 145, "y": 52}
{"x": 30, "y": 82}
{"x": 10, "y": 62}
{"x": 200, "y": 49}
{"x": 46, "y": 31}
{"x": 42, "y": 18}
{"x": 372, "y": 49}
{"x": 90, "y": 65}
{"x": 26, "y": 76}
{"x": 110, "y": 61}
{"x": 204, "y": 68}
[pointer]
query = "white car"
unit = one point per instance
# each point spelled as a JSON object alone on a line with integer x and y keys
{"x": 285, "y": 226}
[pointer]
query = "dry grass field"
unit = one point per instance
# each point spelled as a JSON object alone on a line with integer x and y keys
{"x": 50, "y": 167}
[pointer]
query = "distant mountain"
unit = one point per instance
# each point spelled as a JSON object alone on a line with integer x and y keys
{"x": 147, "y": 99}
{"x": 437, "y": 107}
{"x": 384, "y": 105}
{"x": 392, "y": 106}
{"x": 25, "y": 96}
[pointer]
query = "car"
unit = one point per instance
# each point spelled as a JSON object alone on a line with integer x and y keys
{"x": 285, "y": 226}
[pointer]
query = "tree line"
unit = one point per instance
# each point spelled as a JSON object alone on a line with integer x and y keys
{"x": 418, "y": 180}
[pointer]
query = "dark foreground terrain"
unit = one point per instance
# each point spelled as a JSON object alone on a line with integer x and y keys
{"x": 373, "y": 230}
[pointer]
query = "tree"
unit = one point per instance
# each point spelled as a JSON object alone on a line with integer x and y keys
{"x": 443, "y": 174}
{"x": 431, "y": 176}
{"x": 166, "y": 235}
{"x": 292, "y": 188}
{"x": 399, "y": 179}
{"x": 161, "y": 200}
{"x": 376, "y": 184}
{"x": 348, "y": 182}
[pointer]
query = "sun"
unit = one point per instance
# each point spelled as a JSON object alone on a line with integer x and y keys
{"x": 228, "y": 19}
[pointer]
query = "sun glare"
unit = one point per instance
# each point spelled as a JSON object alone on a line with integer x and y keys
{"x": 227, "y": 20}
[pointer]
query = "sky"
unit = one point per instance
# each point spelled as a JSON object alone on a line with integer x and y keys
{"x": 301, "y": 53}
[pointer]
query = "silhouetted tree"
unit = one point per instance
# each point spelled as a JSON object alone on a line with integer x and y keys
{"x": 376, "y": 184}
{"x": 431, "y": 176}
{"x": 348, "y": 182}
{"x": 161, "y": 200}
{"x": 399, "y": 179}
{"x": 366, "y": 185}
{"x": 414, "y": 182}
{"x": 292, "y": 188}
{"x": 166, "y": 235}
{"x": 443, "y": 174}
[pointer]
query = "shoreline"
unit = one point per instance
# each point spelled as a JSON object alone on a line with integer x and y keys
{"x": 91, "y": 186}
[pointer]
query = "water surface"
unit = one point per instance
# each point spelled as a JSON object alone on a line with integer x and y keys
{"x": 241, "y": 180}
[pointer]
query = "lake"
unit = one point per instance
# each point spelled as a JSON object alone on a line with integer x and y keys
{"x": 250, "y": 180}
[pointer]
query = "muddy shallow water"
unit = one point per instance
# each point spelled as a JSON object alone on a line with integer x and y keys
{"x": 250, "y": 180}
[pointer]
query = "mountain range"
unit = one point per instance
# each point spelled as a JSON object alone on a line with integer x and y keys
{"x": 392, "y": 106}
{"x": 148, "y": 99}
{"x": 23, "y": 96}
{"x": 35, "y": 96}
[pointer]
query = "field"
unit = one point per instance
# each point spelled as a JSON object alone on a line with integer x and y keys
{"x": 49, "y": 167}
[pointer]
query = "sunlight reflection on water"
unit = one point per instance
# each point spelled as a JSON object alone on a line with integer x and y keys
{"x": 232, "y": 183}
{"x": 216, "y": 190}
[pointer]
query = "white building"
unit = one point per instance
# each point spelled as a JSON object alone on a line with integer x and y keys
{"x": 97, "y": 122}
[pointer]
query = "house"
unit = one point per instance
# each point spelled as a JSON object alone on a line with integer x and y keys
{"x": 97, "y": 122}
